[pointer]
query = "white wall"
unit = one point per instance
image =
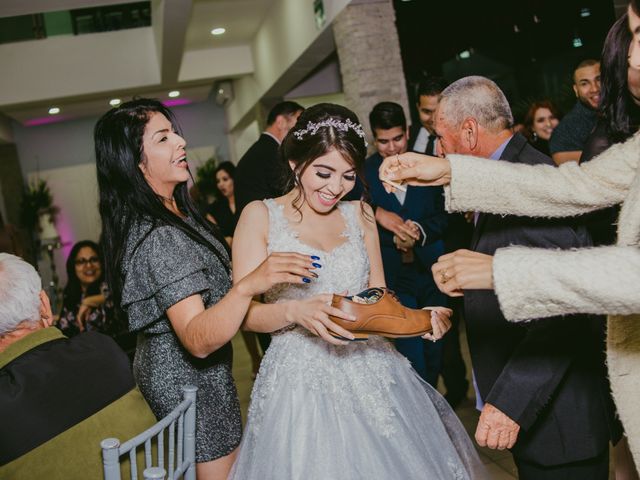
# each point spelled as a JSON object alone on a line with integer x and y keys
{"x": 75, "y": 192}
{"x": 287, "y": 31}
{"x": 64, "y": 65}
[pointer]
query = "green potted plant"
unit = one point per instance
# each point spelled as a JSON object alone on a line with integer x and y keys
{"x": 206, "y": 179}
{"x": 38, "y": 211}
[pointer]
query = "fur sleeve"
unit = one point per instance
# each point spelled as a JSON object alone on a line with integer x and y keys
{"x": 543, "y": 190}
{"x": 534, "y": 283}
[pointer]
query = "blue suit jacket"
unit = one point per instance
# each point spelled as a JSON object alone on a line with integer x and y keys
{"x": 424, "y": 205}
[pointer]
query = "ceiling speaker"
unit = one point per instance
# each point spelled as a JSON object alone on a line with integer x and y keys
{"x": 223, "y": 92}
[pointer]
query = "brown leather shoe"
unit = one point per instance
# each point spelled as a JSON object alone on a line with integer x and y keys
{"x": 379, "y": 312}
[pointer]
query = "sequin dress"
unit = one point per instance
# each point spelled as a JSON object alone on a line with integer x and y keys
{"x": 358, "y": 411}
{"x": 162, "y": 266}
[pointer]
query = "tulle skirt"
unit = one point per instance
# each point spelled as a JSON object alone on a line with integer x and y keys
{"x": 349, "y": 412}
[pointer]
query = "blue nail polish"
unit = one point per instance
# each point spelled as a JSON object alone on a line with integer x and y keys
{"x": 306, "y": 280}
{"x": 313, "y": 257}
{"x": 317, "y": 265}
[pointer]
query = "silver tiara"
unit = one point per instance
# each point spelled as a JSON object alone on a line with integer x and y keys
{"x": 312, "y": 128}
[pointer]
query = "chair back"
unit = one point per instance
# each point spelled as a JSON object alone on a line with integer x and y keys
{"x": 181, "y": 448}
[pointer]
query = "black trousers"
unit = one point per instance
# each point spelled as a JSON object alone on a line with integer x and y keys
{"x": 596, "y": 468}
{"x": 454, "y": 372}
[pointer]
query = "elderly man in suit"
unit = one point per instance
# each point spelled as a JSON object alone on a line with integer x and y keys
{"x": 410, "y": 225}
{"x": 59, "y": 396}
{"x": 541, "y": 385}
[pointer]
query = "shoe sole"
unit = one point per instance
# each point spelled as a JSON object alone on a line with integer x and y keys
{"x": 364, "y": 335}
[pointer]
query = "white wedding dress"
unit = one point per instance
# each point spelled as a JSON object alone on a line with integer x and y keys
{"x": 358, "y": 411}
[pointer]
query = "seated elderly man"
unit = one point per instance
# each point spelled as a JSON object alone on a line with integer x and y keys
{"x": 58, "y": 397}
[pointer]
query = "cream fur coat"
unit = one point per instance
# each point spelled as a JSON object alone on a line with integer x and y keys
{"x": 534, "y": 283}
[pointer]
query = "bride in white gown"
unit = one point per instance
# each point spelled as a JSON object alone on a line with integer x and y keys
{"x": 324, "y": 408}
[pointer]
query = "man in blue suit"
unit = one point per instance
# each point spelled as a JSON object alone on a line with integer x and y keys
{"x": 410, "y": 225}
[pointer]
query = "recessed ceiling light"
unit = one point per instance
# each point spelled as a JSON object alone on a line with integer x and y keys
{"x": 577, "y": 42}
{"x": 54, "y": 111}
{"x": 174, "y": 93}
{"x": 585, "y": 12}
{"x": 115, "y": 102}
{"x": 218, "y": 31}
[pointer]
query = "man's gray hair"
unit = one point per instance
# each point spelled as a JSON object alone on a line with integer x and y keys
{"x": 20, "y": 287}
{"x": 476, "y": 97}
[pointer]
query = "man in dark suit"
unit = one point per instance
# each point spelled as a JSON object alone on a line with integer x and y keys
{"x": 423, "y": 139}
{"x": 410, "y": 227}
{"x": 541, "y": 385}
{"x": 259, "y": 174}
{"x": 422, "y": 135}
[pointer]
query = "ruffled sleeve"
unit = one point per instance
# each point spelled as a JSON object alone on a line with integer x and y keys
{"x": 165, "y": 268}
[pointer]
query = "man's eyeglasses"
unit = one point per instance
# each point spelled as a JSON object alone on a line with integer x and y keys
{"x": 80, "y": 262}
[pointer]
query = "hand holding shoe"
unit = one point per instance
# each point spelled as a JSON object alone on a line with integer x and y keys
{"x": 440, "y": 322}
{"x": 313, "y": 314}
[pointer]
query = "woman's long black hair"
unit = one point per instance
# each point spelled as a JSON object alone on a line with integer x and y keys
{"x": 125, "y": 195}
{"x": 616, "y": 104}
{"x": 72, "y": 292}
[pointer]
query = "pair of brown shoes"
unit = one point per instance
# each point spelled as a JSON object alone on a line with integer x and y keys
{"x": 379, "y": 312}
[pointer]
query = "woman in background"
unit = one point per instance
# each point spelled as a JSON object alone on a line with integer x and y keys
{"x": 223, "y": 213}
{"x": 539, "y": 122}
{"x": 85, "y": 303}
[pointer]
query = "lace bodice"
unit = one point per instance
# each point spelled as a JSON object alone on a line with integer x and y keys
{"x": 295, "y": 355}
{"x": 345, "y": 268}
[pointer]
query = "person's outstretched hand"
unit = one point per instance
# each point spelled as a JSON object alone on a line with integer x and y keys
{"x": 440, "y": 321}
{"x": 414, "y": 169}
{"x": 463, "y": 270}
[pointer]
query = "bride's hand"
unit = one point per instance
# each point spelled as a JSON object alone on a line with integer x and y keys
{"x": 313, "y": 314}
{"x": 440, "y": 321}
{"x": 278, "y": 268}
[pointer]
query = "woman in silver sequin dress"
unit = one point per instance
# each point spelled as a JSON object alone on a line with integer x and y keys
{"x": 324, "y": 408}
{"x": 169, "y": 272}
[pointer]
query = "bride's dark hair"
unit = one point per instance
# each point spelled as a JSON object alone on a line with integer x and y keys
{"x": 125, "y": 195}
{"x": 303, "y": 145}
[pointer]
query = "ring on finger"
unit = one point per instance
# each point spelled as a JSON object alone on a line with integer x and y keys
{"x": 444, "y": 276}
